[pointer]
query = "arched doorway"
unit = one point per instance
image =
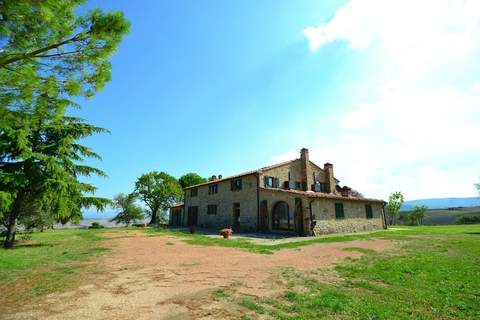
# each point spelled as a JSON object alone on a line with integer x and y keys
{"x": 281, "y": 218}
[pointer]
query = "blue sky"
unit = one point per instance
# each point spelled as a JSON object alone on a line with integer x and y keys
{"x": 220, "y": 87}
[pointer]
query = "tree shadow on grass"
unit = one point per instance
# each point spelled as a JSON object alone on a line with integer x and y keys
{"x": 31, "y": 245}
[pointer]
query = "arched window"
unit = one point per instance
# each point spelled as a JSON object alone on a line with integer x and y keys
{"x": 281, "y": 217}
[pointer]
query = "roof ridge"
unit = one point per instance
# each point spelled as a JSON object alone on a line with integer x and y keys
{"x": 246, "y": 173}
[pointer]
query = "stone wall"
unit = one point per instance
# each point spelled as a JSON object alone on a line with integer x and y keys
{"x": 225, "y": 199}
{"x": 295, "y": 169}
{"x": 323, "y": 211}
{"x": 355, "y": 217}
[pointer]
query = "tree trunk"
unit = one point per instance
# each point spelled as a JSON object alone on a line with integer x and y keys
{"x": 153, "y": 220}
{"x": 12, "y": 219}
{"x": 11, "y": 230}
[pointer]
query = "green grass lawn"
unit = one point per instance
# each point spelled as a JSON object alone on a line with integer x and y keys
{"x": 434, "y": 273}
{"x": 50, "y": 262}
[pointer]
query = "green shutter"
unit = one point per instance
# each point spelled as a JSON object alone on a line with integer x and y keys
{"x": 368, "y": 210}
{"x": 339, "y": 214}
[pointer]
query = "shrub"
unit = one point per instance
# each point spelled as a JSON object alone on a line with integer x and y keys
{"x": 96, "y": 225}
{"x": 468, "y": 220}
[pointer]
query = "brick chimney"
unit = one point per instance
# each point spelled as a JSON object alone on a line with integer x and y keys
{"x": 328, "y": 168}
{"x": 305, "y": 167}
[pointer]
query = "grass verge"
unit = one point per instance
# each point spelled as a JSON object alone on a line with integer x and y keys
{"x": 51, "y": 261}
{"x": 432, "y": 275}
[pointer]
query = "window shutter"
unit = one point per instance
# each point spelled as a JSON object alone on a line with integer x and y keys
{"x": 339, "y": 213}
{"x": 265, "y": 181}
{"x": 277, "y": 183}
{"x": 232, "y": 186}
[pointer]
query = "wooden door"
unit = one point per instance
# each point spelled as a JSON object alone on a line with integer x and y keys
{"x": 263, "y": 219}
{"x": 236, "y": 216}
{"x": 299, "y": 217}
{"x": 192, "y": 216}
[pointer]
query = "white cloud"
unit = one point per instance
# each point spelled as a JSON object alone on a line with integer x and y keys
{"x": 416, "y": 133}
{"x": 476, "y": 87}
{"x": 415, "y": 33}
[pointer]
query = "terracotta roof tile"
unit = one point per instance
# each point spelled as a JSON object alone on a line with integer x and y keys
{"x": 312, "y": 194}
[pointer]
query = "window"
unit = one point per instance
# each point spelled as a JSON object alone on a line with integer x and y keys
{"x": 212, "y": 209}
{"x": 268, "y": 181}
{"x": 236, "y": 185}
{"x": 271, "y": 182}
{"x": 193, "y": 192}
{"x": 213, "y": 188}
{"x": 368, "y": 211}
{"x": 298, "y": 185}
{"x": 339, "y": 214}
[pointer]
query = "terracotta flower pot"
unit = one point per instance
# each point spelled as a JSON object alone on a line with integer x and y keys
{"x": 226, "y": 233}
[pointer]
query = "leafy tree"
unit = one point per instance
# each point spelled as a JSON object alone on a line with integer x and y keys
{"x": 129, "y": 211}
{"x": 417, "y": 214}
{"x": 190, "y": 179}
{"x": 158, "y": 190}
{"x": 395, "y": 201}
{"x": 477, "y": 185}
{"x": 48, "y": 57}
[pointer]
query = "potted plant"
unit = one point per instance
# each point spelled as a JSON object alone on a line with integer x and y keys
{"x": 226, "y": 233}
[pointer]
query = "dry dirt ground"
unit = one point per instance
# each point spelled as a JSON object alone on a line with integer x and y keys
{"x": 162, "y": 277}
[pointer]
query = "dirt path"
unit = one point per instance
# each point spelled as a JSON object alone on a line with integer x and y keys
{"x": 165, "y": 278}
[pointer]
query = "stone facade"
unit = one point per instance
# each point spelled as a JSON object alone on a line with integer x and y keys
{"x": 355, "y": 219}
{"x": 295, "y": 197}
{"x": 224, "y": 200}
{"x": 307, "y": 209}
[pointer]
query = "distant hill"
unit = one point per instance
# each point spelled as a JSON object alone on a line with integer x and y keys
{"x": 442, "y": 203}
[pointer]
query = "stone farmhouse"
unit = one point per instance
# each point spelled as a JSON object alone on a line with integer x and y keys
{"x": 297, "y": 197}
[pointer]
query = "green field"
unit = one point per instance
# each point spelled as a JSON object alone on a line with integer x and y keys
{"x": 431, "y": 273}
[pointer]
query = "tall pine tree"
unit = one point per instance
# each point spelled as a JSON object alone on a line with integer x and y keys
{"x": 48, "y": 57}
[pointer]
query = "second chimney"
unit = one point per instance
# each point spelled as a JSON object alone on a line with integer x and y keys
{"x": 328, "y": 168}
{"x": 305, "y": 159}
